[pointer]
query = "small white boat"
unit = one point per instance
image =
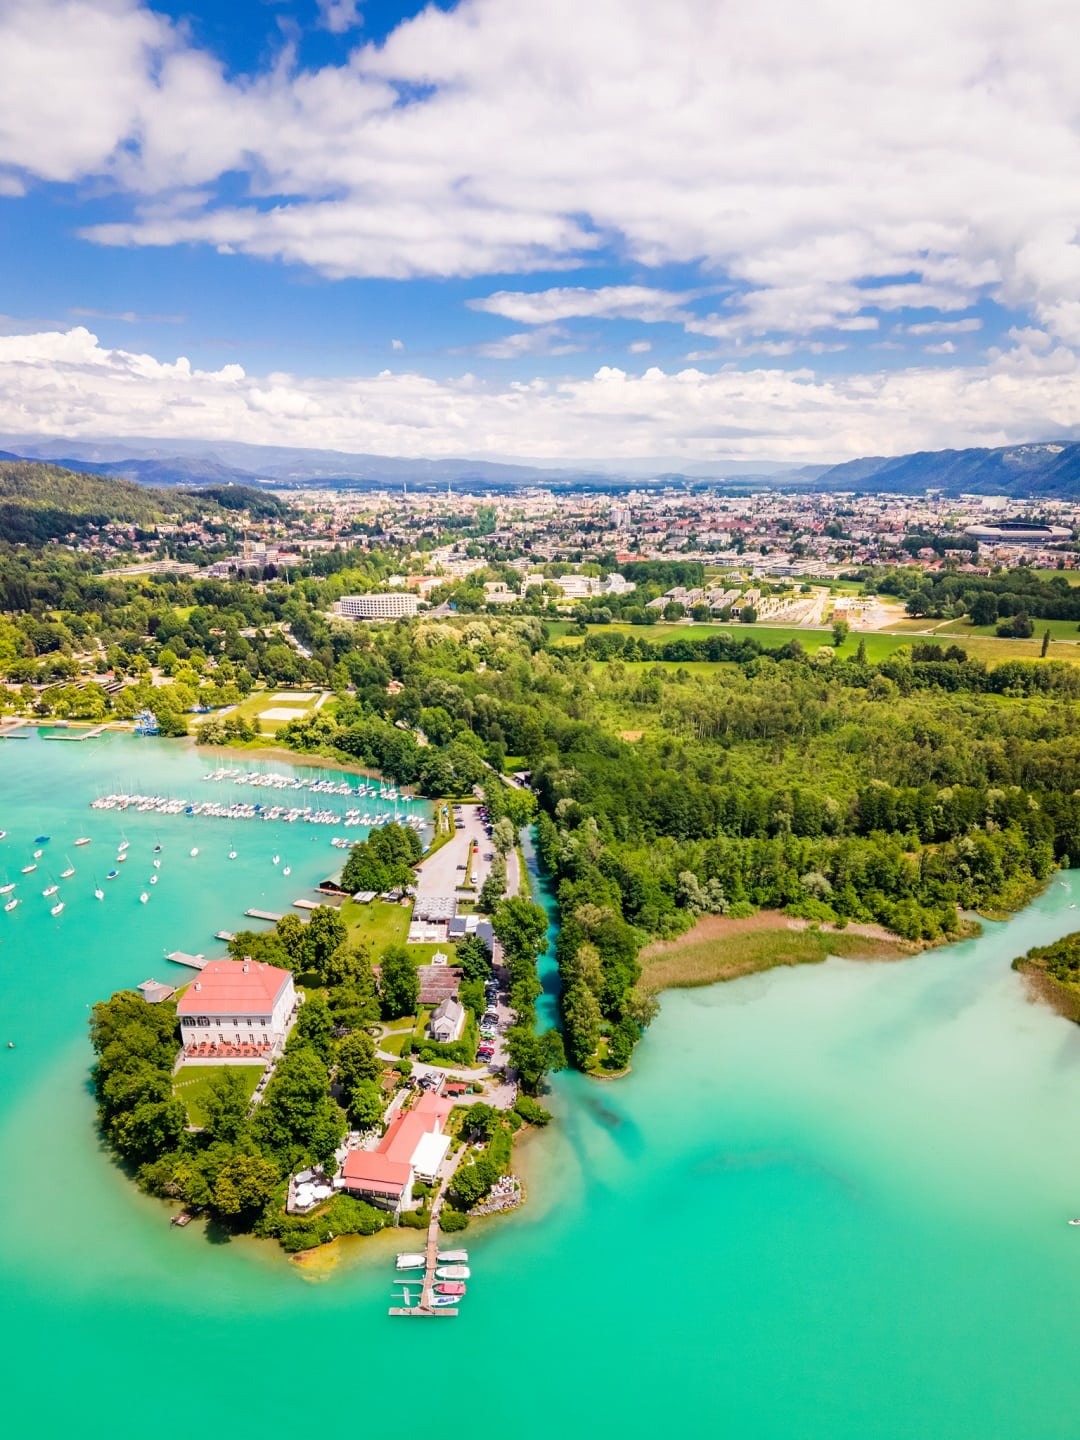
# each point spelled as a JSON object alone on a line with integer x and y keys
{"x": 83, "y": 840}
{"x": 57, "y": 908}
{"x": 67, "y": 874}
{"x": 444, "y": 1302}
{"x": 232, "y": 854}
{"x": 38, "y": 854}
{"x": 50, "y": 890}
{"x": 452, "y": 1257}
{"x": 277, "y": 859}
{"x": 153, "y": 879}
{"x": 286, "y": 869}
{"x": 99, "y": 894}
{"x": 412, "y": 1260}
{"x": 28, "y": 869}
{"x": 123, "y": 846}
{"x": 143, "y": 898}
{"x": 7, "y": 889}
{"x": 453, "y": 1272}
{"x": 1075, "y": 1221}
{"x": 11, "y": 905}
{"x": 157, "y": 864}
{"x": 120, "y": 859}
{"x": 194, "y": 852}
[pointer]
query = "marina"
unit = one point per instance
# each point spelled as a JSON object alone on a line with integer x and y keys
{"x": 240, "y": 811}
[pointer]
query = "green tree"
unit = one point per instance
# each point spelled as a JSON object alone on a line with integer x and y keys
{"x": 366, "y": 1104}
{"x": 521, "y": 925}
{"x": 472, "y": 956}
{"x": 356, "y": 1061}
{"x": 480, "y": 1120}
{"x": 399, "y": 983}
{"x": 314, "y": 1028}
{"x": 840, "y": 631}
{"x": 326, "y": 931}
{"x": 245, "y": 1185}
{"x": 226, "y": 1105}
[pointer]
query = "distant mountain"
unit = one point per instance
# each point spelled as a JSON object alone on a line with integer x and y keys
{"x": 1049, "y": 470}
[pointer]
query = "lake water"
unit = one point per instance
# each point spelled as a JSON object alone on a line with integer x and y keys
{"x": 829, "y": 1201}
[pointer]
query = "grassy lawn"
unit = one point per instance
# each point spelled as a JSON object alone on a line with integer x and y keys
{"x": 1066, "y": 630}
{"x": 381, "y": 924}
{"x": 193, "y": 1081}
{"x": 378, "y": 925}
{"x": 392, "y": 1043}
{"x": 259, "y": 700}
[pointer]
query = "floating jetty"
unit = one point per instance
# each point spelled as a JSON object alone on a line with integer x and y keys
{"x": 181, "y": 957}
{"x": 425, "y": 1306}
{"x": 225, "y": 935}
{"x": 270, "y": 915}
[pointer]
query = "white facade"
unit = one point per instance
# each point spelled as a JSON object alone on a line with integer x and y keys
{"x": 379, "y": 606}
{"x": 238, "y": 1003}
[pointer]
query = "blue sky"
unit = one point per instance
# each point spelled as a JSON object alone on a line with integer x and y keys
{"x": 756, "y": 230}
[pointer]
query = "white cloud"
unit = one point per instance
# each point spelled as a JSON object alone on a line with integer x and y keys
{"x": 946, "y": 347}
{"x": 67, "y": 383}
{"x": 609, "y": 302}
{"x": 945, "y": 327}
{"x": 639, "y": 347}
{"x": 397, "y": 344}
{"x": 338, "y": 16}
{"x": 497, "y": 137}
{"x": 545, "y": 340}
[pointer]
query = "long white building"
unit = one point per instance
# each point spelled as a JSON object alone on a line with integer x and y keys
{"x": 378, "y": 605}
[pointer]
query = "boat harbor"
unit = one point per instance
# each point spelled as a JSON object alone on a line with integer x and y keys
{"x": 439, "y": 1288}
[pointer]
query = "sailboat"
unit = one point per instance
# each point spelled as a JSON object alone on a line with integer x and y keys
{"x": 157, "y": 864}
{"x": 28, "y": 869}
{"x": 7, "y": 889}
{"x": 143, "y": 898}
{"x": 194, "y": 852}
{"x": 99, "y": 893}
{"x": 50, "y": 890}
{"x": 232, "y": 854}
{"x": 67, "y": 874}
{"x": 56, "y": 909}
{"x": 153, "y": 879}
{"x": 38, "y": 854}
{"x": 277, "y": 859}
{"x": 83, "y": 840}
{"x": 124, "y": 844}
{"x": 157, "y": 849}
{"x": 11, "y": 904}
{"x": 286, "y": 869}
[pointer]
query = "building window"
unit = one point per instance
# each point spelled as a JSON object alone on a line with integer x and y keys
{"x": 203, "y": 1020}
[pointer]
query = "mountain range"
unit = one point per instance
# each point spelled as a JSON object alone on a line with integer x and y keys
{"x": 1049, "y": 469}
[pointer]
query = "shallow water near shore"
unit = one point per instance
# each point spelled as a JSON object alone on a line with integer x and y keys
{"x": 828, "y": 1201}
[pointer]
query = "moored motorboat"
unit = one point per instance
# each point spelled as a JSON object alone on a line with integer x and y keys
{"x": 38, "y": 854}
{"x": 120, "y": 859}
{"x": 412, "y": 1260}
{"x": 194, "y": 852}
{"x": 450, "y": 1287}
{"x": 42, "y": 839}
{"x": 452, "y": 1257}
{"x": 112, "y": 874}
{"x": 453, "y": 1272}
{"x": 157, "y": 864}
{"x": 1075, "y": 1221}
{"x": 443, "y": 1302}
{"x": 143, "y": 898}
{"x": 153, "y": 879}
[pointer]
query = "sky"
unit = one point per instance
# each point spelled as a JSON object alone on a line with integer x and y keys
{"x": 784, "y": 230}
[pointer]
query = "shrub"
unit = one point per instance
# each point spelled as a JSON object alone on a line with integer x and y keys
{"x": 531, "y": 1111}
{"x": 414, "y": 1219}
{"x": 451, "y": 1220}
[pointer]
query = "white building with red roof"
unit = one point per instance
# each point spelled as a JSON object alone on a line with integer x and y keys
{"x": 235, "y": 1008}
{"x": 413, "y": 1148}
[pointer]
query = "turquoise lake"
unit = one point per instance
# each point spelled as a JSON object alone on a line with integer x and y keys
{"x": 828, "y": 1202}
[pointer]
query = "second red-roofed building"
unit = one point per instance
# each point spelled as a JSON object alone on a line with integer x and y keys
{"x": 237, "y": 1003}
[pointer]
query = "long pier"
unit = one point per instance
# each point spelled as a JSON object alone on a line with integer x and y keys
{"x": 270, "y": 915}
{"x": 193, "y": 962}
{"x": 431, "y": 1259}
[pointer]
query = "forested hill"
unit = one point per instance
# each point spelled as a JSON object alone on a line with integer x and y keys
{"x": 1051, "y": 469}
{"x": 39, "y": 502}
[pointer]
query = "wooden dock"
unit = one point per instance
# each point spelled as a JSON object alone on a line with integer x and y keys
{"x": 181, "y": 957}
{"x": 302, "y": 904}
{"x": 431, "y": 1259}
{"x": 263, "y": 915}
{"x": 225, "y": 935}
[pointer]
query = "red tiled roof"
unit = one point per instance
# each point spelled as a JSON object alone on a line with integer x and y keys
{"x": 371, "y": 1170}
{"x": 433, "y": 1105}
{"x": 234, "y": 987}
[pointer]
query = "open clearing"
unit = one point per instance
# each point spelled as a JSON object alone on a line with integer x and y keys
{"x": 721, "y": 948}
